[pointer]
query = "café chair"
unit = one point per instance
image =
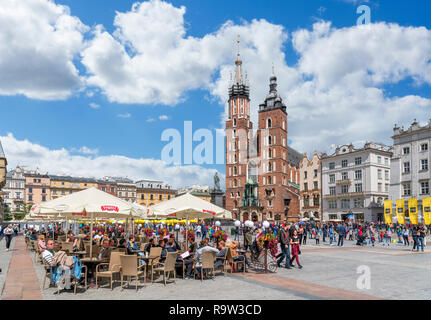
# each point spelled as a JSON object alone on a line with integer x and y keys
{"x": 234, "y": 263}
{"x": 130, "y": 268}
{"x": 167, "y": 267}
{"x": 114, "y": 267}
{"x": 207, "y": 263}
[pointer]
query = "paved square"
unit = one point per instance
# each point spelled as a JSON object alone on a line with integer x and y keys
{"x": 329, "y": 272}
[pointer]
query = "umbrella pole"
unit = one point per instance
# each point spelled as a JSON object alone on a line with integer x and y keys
{"x": 187, "y": 238}
{"x": 91, "y": 237}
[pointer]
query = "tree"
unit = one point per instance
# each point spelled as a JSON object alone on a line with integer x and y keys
{"x": 7, "y": 216}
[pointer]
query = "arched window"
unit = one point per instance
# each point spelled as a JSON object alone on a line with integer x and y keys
{"x": 269, "y": 140}
{"x": 242, "y": 106}
{"x": 269, "y": 180}
{"x": 235, "y": 204}
{"x": 235, "y": 171}
{"x": 269, "y": 153}
{"x": 234, "y": 122}
{"x": 269, "y": 123}
{"x": 235, "y": 183}
{"x": 269, "y": 167}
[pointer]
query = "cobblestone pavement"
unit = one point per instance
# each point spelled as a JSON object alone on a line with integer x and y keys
{"x": 329, "y": 272}
{"x": 5, "y": 257}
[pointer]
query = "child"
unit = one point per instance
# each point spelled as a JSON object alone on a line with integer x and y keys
{"x": 317, "y": 236}
{"x": 373, "y": 239}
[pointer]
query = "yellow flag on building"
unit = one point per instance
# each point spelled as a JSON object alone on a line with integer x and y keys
{"x": 426, "y": 204}
{"x": 400, "y": 211}
{"x": 388, "y": 211}
{"x": 413, "y": 210}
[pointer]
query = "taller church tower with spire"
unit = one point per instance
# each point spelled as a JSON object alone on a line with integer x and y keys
{"x": 239, "y": 130}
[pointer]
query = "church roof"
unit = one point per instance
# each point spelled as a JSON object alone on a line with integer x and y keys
{"x": 293, "y": 156}
{"x": 273, "y": 99}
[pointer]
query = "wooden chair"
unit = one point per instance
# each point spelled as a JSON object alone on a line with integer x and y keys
{"x": 114, "y": 267}
{"x": 47, "y": 269}
{"x": 167, "y": 267}
{"x": 130, "y": 268}
{"x": 234, "y": 263}
{"x": 37, "y": 254}
{"x": 208, "y": 258}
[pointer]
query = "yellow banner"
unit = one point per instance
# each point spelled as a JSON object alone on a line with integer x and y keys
{"x": 426, "y": 204}
{"x": 413, "y": 210}
{"x": 400, "y": 211}
{"x": 388, "y": 211}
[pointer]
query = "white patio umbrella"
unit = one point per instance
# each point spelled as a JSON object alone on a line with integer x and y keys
{"x": 90, "y": 203}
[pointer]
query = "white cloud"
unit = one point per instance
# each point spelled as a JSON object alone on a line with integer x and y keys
{"x": 124, "y": 115}
{"x": 39, "y": 41}
{"x": 150, "y": 120}
{"x": 163, "y": 117}
{"x": 94, "y": 105}
{"x": 60, "y": 161}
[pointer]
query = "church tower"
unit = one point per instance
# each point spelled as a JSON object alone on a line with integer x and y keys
{"x": 238, "y": 135}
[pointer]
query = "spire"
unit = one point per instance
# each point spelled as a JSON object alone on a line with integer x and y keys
{"x": 273, "y": 81}
{"x": 238, "y": 63}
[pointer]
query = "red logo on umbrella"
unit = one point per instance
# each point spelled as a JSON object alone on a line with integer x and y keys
{"x": 172, "y": 214}
{"x": 110, "y": 208}
{"x": 213, "y": 213}
{"x": 83, "y": 213}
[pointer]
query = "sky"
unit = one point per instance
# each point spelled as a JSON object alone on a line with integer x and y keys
{"x": 88, "y": 88}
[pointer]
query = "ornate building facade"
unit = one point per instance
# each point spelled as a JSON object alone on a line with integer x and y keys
{"x": 262, "y": 160}
{"x": 3, "y": 164}
{"x": 311, "y": 186}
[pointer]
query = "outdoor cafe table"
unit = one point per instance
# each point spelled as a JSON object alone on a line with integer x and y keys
{"x": 91, "y": 264}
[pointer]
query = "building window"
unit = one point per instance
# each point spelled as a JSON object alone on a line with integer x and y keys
{"x": 386, "y": 187}
{"x": 269, "y": 123}
{"x": 30, "y": 190}
{"x": 70, "y": 192}
{"x": 332, "y": 190}
{"x": 406, "y": 167}
{"x": 316, "y": 200}
{"x": 160, "y": 197}
{"x": 316, "y": 185}
{"x": 344, "y": 189}
{"x": 30, "y": 198}
{"x": 112, "y": 190}
{"x": 151, "y": 197}
{"x": 62, "y": 183}
{"x": 358, "y": 174}
{"x": 424, "y": 147}
{"x": 234, "y": 122}
{"x": 358, "y": 187}
{"x": 306, "y": 201}
{"x": 344, "y": 163}
{"x": 358, "y": 161}
{"x": 406, "y": 150}
{"x": 406, "y": 189}
{"x": 169, "y": 197}
{"x": 387, "y": 161}
{"x": 332, "y": 178}
{"x": 331, "y": 165}
{"x": 379, "y": 159}
{"x": 269, "y": 203}
{"x": 386, "y": 174}
{"x": 43, "y": 190}
{"x": 305, "y": 175}
{"x": 332, "y": 204}
{"x": 142, "y": 196}
{"x": 424, "y": 164}
{"x": 379, "y": 174}
{"x": 379, "y": 187}
{"x": 315, "y": 173}
{"x": 269, "y": 180}
{"x": 63, "y": 191}
{"x": 344, "y": 176}
{"x": 425, "y": 187}
{"x": 43, "y": 198}
{"x": 306, "y": 186}
{"x": 54, "y": 192}
{"x": 103, "y": 188}
{"x": 358, "y": 203}
{"x": 345, "y": 203}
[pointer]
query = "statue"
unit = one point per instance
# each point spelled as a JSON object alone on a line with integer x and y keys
{"x": 216, "y": 183}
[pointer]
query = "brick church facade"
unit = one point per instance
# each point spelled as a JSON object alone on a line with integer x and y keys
{"x": 260, "y": 169}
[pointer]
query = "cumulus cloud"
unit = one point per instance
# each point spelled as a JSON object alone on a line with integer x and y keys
{"x": 124, "y": 115}
{"x": 94, "y": 105}
{"x": 163, "y": 117}
{"x": 151, "y": 120}
{"x": 61, "y": 161}
{"x": 39, "y": 41}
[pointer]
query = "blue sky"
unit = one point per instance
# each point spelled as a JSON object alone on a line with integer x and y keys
{"x": 131, "y": 127}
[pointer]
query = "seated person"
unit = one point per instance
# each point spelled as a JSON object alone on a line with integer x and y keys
{"x": 105, "y": 252}
{"x": 149, "y": 245}
{"x": 176, "y": 246}
{"x": 48, "y": 253}
{"x": 203, "y": 246}
{"x": 236, "y": 257}
{"x": 41, "y": 243}
{"x": 220, "y": 255}
{"x": 131, "y": 246}
{"x": 71, "y": 238}
{"x": 97, "y": 238}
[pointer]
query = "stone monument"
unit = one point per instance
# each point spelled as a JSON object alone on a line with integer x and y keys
{"x": 217, "y": 194}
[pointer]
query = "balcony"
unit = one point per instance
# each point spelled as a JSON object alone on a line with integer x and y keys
{"x": 343, "y": 182}
{"x": 345, "y": 195}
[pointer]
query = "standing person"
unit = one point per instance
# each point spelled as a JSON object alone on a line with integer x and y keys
{"x": 15, "y": 229}
{"x": 8, "y": 231}
{"x": 331, "y": 234}
{"x": 236, "y": 237}
{"x": 300, "y": 233}
{"x": 341, "y": 235}
{"x": 248, "y": 239}
{"x": 406, "y": 236}
{"x": 284, "y": 239}
{"x": 294, "y": 242}
{"x": 317, "y": 235}
{"x": 421, "y": 236}
{"x": 199, "y": 231}
{"x": 325, "y": 231}
{"x": 415, "y": 238}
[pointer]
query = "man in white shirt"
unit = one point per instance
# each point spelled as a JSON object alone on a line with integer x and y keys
{"x": 48, "y": 253}
{"x": 8, "y": 231}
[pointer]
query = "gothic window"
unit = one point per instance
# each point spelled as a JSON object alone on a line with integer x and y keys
{"x": 235, "y": 204}
{"x": 269, "y": 180}
{"x": 234, "y": 183}
{"x": 269, "y": 123}
{"x": 242, "y": 106}
{"x": 269, "y": 140}
{"x": 269, "y": 153}
{"x": 234, "y": 122}
{"x": 235, "y": 171}
{"x": 269, "y": 167}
